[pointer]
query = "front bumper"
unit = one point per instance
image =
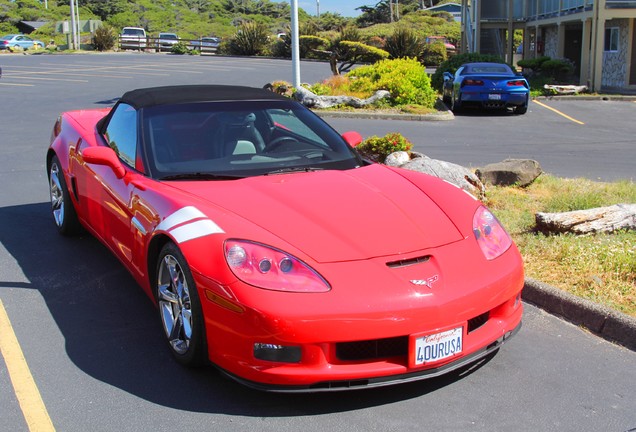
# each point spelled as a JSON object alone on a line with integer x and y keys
{"x": 354, "y": 384}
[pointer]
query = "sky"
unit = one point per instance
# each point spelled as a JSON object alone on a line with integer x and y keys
{"x": 346, "y": 8}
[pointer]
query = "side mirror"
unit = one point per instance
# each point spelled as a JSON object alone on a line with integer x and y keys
{"x": 448, "y": 76}
{"x": 352, "y": 138}
{"x": 104, "y": 156}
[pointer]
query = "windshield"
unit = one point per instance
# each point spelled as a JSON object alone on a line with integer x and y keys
{"x": 240, "y": 139}
{"x": 495, "y": 69}
{"x": 133, "y": 32}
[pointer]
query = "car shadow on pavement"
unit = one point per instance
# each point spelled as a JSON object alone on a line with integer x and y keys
{"x": 481, "y": 112}
{"x": 112, "y": 331}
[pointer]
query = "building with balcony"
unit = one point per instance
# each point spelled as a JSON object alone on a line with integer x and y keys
{"x": 597, "y": 36}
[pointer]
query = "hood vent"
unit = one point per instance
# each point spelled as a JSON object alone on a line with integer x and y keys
{"x": 408, "y": 262}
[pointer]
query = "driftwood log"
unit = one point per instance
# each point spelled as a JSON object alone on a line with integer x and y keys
{"x": 602, "y": 219}
{"x": 311, "y": 100}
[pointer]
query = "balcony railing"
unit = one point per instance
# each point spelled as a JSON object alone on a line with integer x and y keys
{"x": 620, "y": 4}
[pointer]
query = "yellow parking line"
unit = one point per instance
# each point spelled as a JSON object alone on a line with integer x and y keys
{"x": 33, "y": 409}
{"x": 558, "y": 112}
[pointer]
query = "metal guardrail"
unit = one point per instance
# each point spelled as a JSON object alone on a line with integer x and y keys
{"x": 150, "y": 44}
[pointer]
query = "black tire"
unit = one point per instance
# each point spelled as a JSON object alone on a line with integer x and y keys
{"x": 445, "y": 99}
{"x": 62, "y": 208}
{"x": 179, "y": 307}
{"x": 455, "y": 106}
{"x": 521, "y": 109}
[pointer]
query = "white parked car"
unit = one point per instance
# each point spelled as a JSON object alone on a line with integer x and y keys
{"x": 132, "y": 38}
{"x": 165, "y": 41}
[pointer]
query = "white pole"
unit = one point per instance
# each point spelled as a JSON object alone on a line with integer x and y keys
{"x": 77, "y": 21}
{"x": 294, "y": 44}
{"x": 73, "y": 26}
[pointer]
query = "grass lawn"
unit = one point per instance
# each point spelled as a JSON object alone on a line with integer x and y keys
{"x": 599, "y": 267}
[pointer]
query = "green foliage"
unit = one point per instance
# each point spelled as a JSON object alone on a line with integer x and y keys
{"x": 250, "y": 39}
{"x": 104, "y": 38}
{"x": 452, "y": 64}
{"x": 433, "y": 54}
{"x": 378, "y": 148}
{"x": 403, "y": 43}
{"x": 180, "y": 48}
{"x": 405, "y": 79}
{"x": 351, "y": 53}
{"x": 559, "y": 69}
{"x": 534, "y": 64}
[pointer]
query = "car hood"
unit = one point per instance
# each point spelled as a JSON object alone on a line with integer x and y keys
{"x": 335, "y": 216}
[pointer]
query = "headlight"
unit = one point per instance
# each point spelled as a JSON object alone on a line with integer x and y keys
{"x": 270, "y": 268}
{"x": 491, "y": 237}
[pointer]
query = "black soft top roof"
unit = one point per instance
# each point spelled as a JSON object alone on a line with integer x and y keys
{"x": 171, "y": 95}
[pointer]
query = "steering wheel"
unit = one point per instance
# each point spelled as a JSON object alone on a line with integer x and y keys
{"x": 277, "y": 142}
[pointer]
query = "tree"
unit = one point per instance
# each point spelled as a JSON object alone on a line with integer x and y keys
{"x": 345, "y": 49}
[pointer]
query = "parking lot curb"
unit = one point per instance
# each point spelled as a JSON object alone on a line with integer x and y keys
{"x": 605, "y": 322}
{"x": 439, "y": 116}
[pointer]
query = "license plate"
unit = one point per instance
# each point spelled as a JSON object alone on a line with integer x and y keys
{"x": 494, "y": 96}
{"x": 438, "y": 346}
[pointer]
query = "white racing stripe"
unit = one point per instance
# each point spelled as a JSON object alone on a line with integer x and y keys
{"x": 194, "y": 230}
{"x": 188, "y": 223}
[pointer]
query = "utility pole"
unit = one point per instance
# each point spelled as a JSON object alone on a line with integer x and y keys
{"x": 73, "y": 26}
{"x": 294, "y": 45}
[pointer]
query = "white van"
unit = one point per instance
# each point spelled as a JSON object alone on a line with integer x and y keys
{"x": 132, "y": 38}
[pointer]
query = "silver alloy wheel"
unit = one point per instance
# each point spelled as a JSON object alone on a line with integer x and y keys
{"x": 174, "y": 304}
{"x": 57, "y": 194}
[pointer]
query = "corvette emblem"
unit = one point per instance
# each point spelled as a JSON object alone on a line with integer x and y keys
{"x": 426, "y": 282}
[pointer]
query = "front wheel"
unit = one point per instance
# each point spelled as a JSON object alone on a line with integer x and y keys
{"x": 62, "y": 208}
{"x": 179, "y": 307}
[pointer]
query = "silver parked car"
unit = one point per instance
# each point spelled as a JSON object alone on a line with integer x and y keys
{"x": 165, "y": 41}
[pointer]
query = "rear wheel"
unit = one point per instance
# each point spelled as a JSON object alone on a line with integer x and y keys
{"x": 521, "y": 109}
{"x": 179, "y": 307}
{"x": 455, "y": 105}
{"x": 62, "y": 208}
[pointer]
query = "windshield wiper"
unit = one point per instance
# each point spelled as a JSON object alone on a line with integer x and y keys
{"x": 200, "y": 176}
{"x": 293, "y": 170}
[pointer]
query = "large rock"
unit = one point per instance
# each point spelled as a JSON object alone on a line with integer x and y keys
{"x": 520, "y": 172}
{"x": 452, "y": 173}
{"x": 602, "y": 219}
{"x": 311, "y": 100}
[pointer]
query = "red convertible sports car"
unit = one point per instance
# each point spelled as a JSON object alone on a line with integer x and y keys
{"x": 274, "y": 251}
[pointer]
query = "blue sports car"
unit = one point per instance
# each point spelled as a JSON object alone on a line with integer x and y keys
{"x": 486, "y": 85}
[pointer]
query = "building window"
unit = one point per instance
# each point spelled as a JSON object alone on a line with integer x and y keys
{"x": 611, "y": 39}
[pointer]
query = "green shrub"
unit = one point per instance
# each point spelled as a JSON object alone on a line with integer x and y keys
{"x": 403, "y": 43}
{"x": 405, "y": 79}
{"x": 433, "y": 54}
{"x": 534, "y": 64}
{"x": 452, "y": 64}
{"x": 104, "y": 38}
{"x": 180, "y": 48}
{"x": 250, "y": 39}
{"x": 559, "y": 69}
{"x": 378, "y": 148}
